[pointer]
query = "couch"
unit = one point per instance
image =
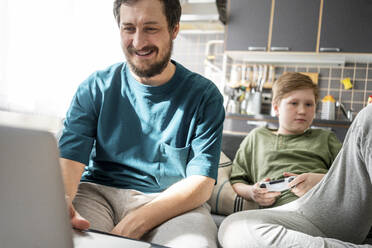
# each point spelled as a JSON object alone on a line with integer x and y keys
{"x": 224, "y": 200}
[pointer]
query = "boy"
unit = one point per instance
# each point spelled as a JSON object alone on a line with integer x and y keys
{"x": 292, "y": 150}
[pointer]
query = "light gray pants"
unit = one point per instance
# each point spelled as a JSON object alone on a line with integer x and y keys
{"x": 335, "y": 213}
{"x": 105, "y": 206}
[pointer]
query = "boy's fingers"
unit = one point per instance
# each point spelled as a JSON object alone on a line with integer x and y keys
{"x": 268, "y": 195}
{"x": 267, "y": 202}
{"x": 272, "y": 194}
{"x": 288, "y": 174}
{"x": 299, "y": 179}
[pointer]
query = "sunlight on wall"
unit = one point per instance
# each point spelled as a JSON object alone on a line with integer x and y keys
{"x": 49, "y": 47}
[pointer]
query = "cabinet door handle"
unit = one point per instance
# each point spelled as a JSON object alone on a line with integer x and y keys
{"x": 279, "y": 49}
{"x": 251, "y": 48}
{"x": 330, "y": 49}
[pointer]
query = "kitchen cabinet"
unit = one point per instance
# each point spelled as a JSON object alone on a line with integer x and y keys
{"x": 346, "y": 26}
{"x": 248, "y": 25}
{"x": 295, "y": 25}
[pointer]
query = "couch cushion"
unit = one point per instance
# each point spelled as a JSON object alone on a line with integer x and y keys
{"x": 224, "y": 200}
{"x": 230, "y": 143}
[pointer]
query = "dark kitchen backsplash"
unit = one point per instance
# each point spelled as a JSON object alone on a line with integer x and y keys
{"x": 189, "y": 50}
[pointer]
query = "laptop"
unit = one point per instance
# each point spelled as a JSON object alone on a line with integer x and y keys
{"x": 33, "y": 211}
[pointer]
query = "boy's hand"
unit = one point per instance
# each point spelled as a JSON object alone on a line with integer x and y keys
{"x": 304, "y": 182}
{"x": 262, "y": 196}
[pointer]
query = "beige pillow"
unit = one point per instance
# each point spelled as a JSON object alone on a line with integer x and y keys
{"x": 224, "y": 200}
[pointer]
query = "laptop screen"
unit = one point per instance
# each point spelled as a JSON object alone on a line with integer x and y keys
{"x": 32, "y": 210}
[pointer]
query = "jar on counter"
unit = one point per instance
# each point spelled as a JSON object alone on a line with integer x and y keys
{"x": 328, "y": 108}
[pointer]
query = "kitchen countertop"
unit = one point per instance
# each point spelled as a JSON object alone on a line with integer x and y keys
{"x": 243, "y": 124}
{"x": 271, "y": 119}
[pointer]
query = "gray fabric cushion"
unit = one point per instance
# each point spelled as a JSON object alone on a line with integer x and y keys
{"x": 224, "y": 200}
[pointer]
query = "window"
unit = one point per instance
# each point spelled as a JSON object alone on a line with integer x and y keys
{"x": 48, "y": 47}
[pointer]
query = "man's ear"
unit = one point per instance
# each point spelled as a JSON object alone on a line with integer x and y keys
{"x": 276, "y": 108}
{"x": 175, "y": 31}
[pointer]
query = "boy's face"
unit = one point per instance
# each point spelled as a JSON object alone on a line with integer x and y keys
{"x": 295, "y": 111}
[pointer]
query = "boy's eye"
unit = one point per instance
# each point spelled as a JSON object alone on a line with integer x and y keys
{"x": 309, "y": 104}
{"x": 293, "y": 103}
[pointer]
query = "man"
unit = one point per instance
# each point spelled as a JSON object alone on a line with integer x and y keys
{"x": 141, "y": 142}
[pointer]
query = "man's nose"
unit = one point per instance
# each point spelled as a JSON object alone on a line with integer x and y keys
{"x": 139, "y": 40}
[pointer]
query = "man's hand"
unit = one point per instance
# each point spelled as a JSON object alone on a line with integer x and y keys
{"x": 77, "y": 221}
{"x": 304, "y": 182}
{"x": 71, "y": 172}
{"x": 131, "y": 226}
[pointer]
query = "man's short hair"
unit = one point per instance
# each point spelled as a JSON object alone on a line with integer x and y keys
{"x": 171, "y": 9}
{"x": 291, "y": 81}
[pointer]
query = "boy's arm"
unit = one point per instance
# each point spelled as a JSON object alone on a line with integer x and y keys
{"x": 243, "y": 190}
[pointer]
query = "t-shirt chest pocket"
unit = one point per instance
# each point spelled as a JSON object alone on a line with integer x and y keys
{"x": 172, "y": 162}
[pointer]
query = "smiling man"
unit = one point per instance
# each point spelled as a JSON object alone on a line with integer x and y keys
{"x": 140, "y": 147}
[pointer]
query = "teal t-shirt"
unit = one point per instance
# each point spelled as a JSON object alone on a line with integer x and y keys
{"x": 141, "y": 137}
{"x": 264, "y": 154}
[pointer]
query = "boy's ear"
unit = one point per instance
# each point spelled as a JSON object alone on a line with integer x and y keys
{"x": 276, "y": 109}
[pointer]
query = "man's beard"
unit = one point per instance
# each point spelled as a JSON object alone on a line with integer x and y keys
{"x": 153, "y": 69}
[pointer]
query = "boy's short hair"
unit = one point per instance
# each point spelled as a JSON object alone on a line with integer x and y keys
{"x": 291, "y": 81}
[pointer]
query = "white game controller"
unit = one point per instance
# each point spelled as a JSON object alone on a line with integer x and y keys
{"x": 277, "y": 185}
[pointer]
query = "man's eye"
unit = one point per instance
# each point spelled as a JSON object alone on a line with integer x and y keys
{"x": 129, "y": 29}
{"x": 151, "y": 29}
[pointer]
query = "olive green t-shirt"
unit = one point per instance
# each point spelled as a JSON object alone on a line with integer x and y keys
{"x": 265, "y": 154}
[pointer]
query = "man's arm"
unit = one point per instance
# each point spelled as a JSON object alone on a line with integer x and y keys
{"x": 71, "y": 172}
{"x": 181, "y": 197}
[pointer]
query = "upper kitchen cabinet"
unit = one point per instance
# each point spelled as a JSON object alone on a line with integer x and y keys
{"x": 346, "y": 26}
{"x": 248, "y": 25}
{"x": 295, "y": 25}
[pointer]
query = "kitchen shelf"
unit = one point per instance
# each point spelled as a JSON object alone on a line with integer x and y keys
{"x": 289, "y": 58}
